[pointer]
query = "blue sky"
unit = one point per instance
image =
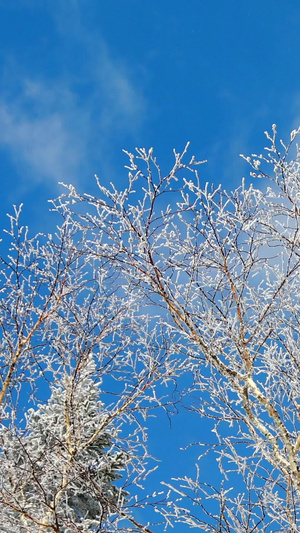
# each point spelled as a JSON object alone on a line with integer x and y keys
{"x": 80, "y": 80}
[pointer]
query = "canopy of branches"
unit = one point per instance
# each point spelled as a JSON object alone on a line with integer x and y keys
{"x": 103, "y": 321}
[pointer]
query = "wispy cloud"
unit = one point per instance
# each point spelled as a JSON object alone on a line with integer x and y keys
{"x": 50, "y": 125}
{"x": 40, "y": 128}
{"x": 124, "y": 105}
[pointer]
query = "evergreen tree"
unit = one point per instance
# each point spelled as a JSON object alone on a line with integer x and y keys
{"x": 62, "y": 469}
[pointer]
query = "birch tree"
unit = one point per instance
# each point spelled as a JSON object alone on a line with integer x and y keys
{"x": 170, "y": 276}
{"x": 79, "y": 366}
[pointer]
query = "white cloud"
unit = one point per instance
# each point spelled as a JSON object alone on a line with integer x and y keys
{"x": 50, "y": 126}
{"x": 125, "y": 106}
{"x": 39, "y": 134}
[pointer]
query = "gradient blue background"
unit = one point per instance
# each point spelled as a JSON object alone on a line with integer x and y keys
{"x": 80, "y": 80}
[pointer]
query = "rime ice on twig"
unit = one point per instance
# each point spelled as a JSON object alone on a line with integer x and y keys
{"x": 137, "y": 288}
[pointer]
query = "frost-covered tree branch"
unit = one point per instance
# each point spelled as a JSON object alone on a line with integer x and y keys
{"x": 79, "y": 366}
{"x": 166, "y": 277}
